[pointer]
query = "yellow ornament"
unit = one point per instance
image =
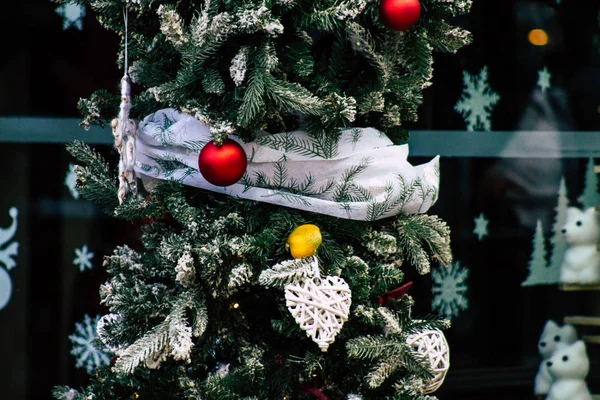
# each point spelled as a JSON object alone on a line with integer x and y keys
{"x": 304, "y": 241}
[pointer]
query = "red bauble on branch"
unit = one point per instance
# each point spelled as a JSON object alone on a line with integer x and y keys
{"x": 399, "y": 15}
{"x": 222, "y": 165}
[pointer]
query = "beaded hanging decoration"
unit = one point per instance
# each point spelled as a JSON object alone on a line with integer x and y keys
{"x": 125, "y": 132}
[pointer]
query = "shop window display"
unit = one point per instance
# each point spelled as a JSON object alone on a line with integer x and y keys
{"x": 513, "y": 116}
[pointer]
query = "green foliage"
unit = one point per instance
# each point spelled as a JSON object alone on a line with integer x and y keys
{"x": 420, "y": 234}
{"x": 389, "y": 354}
{"x": 331, "y": 62}
{"x": 203, "y": 253}
{"x": 94, "y": 179}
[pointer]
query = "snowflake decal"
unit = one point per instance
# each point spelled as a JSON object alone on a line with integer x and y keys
{"x": 9, "y": 248}
{"x": 72, "y": 15}
{"x": 71, "y": 181}
{"x": 449, "y": 290}
{"x": 477, "y": 101}
{"x": 481, "y": 226}
{"x": 83, "y": 258}
{"x": 84, "y": 345}
{"x": 544, "y": 79}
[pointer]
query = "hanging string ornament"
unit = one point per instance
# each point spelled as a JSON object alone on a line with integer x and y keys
{"x": 433, "y": 350}
{"x": 319, "y": 306}
{"x": 125, "y": 133}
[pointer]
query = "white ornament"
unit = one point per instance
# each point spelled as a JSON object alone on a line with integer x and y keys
{"x": 449, "y": 289}
{"x": 319, "y": 306}
{"x": 83, "y": 258}
{"x": 481, "y": 226}
{"x": 433, "y": 351}
{"x": 477, "y": 101}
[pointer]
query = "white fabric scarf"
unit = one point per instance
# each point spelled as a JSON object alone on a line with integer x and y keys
{"x": 365, "y": 177}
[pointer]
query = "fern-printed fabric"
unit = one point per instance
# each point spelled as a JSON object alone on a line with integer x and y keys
{"x": 361, "y": 176}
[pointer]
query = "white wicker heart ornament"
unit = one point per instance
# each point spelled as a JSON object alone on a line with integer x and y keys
{"x": 319, "y": 306}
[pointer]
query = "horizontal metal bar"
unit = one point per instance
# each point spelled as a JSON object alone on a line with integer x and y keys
{"x": 506, "y": 144}
{"x": 50, "y": 130}
{"x": 500, "y": 144}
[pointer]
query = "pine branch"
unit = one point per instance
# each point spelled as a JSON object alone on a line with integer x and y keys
{"x": 253, "y": 103}
{"x": 342, "y": 192}
{"x": 372, "y": 347}
{"x": 172, "y": 336}
{"x": 94, "y": 180}
{"x": 292, "y": 96}
{"x": 363, "y": 43}
{"x": 418, "y": 233}
{"x": 287, "y": 272}
{"x": 151, "y": 344}
{"x": 383, "y": 370}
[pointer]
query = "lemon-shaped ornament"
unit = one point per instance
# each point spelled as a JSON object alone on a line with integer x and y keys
{"x": 304, "y": 241}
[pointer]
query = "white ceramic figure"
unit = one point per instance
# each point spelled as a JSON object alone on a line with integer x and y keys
{"x": 569, "y": 367}
{"x": 581, "y": 264}
{"x": 553, "y": 337}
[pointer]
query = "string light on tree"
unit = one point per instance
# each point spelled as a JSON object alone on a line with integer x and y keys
{"x": 399, "y": 15}
{"x": 222, "y": 165}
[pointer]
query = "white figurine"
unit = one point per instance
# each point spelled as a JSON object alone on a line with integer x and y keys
{"x": 553, "y": 337}
{"x": 569, "y": 367}
{"x": 581, "y": 264}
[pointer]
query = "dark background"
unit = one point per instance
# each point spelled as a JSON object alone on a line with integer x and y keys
{"x": 45, "y": 70}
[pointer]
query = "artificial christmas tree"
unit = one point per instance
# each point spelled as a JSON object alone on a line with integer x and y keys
{"x": 214, "y": 306}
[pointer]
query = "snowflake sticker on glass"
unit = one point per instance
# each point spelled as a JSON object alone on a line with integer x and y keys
{"x": 450, "y": 290}
{"x": 72, "y": 15}
{"x": 71, "y": 181}
{"x": 8, "y": 250}
{"x": 83, "y": 258}
{"x": 477, "y": 101}
{"x": 84, "y": 343}
{"x": 544, "y": 79}
{"x": 481, "y": 226}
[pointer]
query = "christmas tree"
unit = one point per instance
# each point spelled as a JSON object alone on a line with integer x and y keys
{"x": 297, "y": 219}
{"x": 558, "y": 242}
{"x": 538, "y": 272}
{"x": 590, "y": 196}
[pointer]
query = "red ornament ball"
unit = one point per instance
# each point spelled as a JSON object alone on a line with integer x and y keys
{"x": 222, "y": 165}
{"x": 399, "y": 15}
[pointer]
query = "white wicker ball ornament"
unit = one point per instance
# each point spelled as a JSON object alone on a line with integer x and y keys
{"x": 319, "y": 306}
{"x": 433, "y": 351}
